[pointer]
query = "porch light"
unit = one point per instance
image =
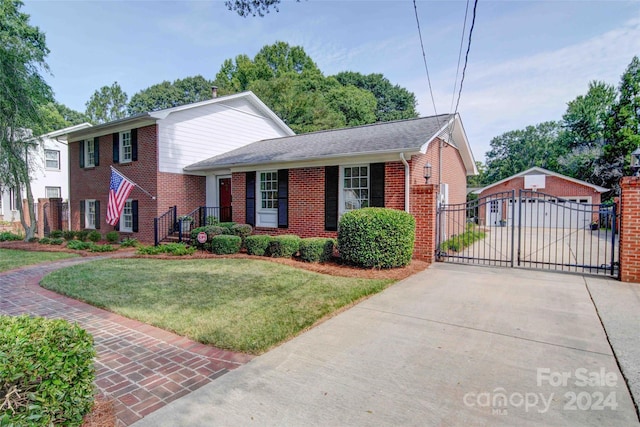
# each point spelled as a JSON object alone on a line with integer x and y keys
{"x": 427, "y": 172}
{"x": 635, "y": 162}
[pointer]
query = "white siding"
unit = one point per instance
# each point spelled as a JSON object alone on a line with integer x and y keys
{"x": 196, "y": 134}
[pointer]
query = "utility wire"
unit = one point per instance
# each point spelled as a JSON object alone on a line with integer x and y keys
{"x": 466, "y": 57}
{"x": 424, "y": 58}
{"x": 455, "y": 82}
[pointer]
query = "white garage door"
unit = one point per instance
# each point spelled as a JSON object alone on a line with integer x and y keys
{"x": 571, "y": 212}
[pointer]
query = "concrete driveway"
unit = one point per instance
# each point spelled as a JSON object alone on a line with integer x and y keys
{"x": 453, "y": 345}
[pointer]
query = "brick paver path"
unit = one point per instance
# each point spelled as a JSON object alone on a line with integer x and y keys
{"x": 141, "y": 367}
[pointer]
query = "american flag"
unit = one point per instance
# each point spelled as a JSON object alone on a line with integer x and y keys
{"x": 119, "y": 190}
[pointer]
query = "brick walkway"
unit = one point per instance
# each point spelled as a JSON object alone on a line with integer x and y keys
{"x": 141, "y": 367}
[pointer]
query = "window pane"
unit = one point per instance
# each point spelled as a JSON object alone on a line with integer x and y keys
{"x": 356, "y": 187}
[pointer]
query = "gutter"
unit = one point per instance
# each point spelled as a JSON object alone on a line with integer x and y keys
{"x": 406, "y": 182}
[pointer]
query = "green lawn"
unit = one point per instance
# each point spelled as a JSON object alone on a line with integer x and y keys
{"x": 10, "y": 258}
{"x": 238, "y": 304}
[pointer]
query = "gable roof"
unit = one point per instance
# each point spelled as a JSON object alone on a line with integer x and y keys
{"x": 151, "y": 117}
{"x": 402, "y": 136}
{"x": 536, "y": 170}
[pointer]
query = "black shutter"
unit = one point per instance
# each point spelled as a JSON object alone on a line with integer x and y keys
{"x": 116, "y": 147}
{"x": 97, "y": 214}
{"x": 283, "y": 198}
{"x": 376, "y": 189}
{"x": 251, "y": 198}
{"x": 134, "y": 144}
{"x": 96, "y": 151}
{"x": 82, "y": 212}
{"x": 134, "y": 215}
{"x": 81, "y": 153}
{"x": 331, "y": 198}
{"x": 117, "y": 226}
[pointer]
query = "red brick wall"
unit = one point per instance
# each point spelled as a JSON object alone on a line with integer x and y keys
{"x": 423, "y": 208}
{"x": 187, "y": 192}
{"x": 630, "y": 229}
{"x": 394, "y": 185}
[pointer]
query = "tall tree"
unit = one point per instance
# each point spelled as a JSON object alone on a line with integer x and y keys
{"x": 167, "y": 95}
{"x": 22, "y": 89}
{"x": 107, "y": 104}
{"x": 252, "y": 7}
{"x": 56, "y": 116}
{"x": 394, "y": 102}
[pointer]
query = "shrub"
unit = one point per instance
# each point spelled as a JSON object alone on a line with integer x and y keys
{"x": 316, "y": 249}
{"x": 212, "y": 220}
{"x": 284, "y": 246}
{"x": 224, "y": 244}
{"x": 55, "y": 234}
{"x": 82, "y": 235}
{"x": 376, "y": 237}
{"x": 57, "y": 241}
{"x": 228, "y": 226}
{"x": 257, "y": 245}
{"x": 177, "y": 249}
{"x": 33, "y": 240}
{"x": 7, "y": 236}
{"x": 101, "y": 248}
{"x": 242, "y": 230}
{"x": 68, "y": 235}
{"x": 94, "y": 236}
{"x": 77, "y": 245}
{"x": 45, "y": 241}
{"x": 113, "y": 236}
{"x": 129, "y": 242}
{"x": 48, "y": 365}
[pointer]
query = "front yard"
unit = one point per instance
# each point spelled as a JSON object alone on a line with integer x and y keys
{"x": 10, "y": 258}
{"x": 238, "y": 304}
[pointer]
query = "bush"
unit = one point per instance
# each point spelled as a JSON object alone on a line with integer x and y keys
{"x": 212, "y": 220}
{"x": 257, "y": 245}
{"x": 33, "y": 240}
{"x": 94, "y": 236}
{"x": 177, "y": 249}
{"x": 228, "y": 226}
{"x": 77, "y": 245}
{"x": 284, "y": 246}
{"x": 47, "y": 371}
{"x": 224, "y": 244}
{"x": 57, "y": 241}
{"x": 376, "y": 237}
{"x": 242, "y": 230}
{"x": 316, "y": 249}
{"x": 45, "y": 241}
{"x": 113, "y": 236}
{"x": 68, "y": 235}
{"x": 129, "y": 242}
{"x": 55, "y": 234}
{"x": 101, "y": 248}
{"x": 7, "y": 236}
{"x": 82, "y": 235}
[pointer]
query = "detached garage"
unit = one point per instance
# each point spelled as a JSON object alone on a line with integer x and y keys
{"x": 551, "y": 200}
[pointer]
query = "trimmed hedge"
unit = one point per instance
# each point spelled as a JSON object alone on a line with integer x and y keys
{"x": 284, "y": 246}
{"x": 317, "y": 249}
{"x": 9, "y": 236}
{"x": 377, "y": 237}
{"x": 94, "y": 236}
{"x": 225, "y": 244}
{"x": 257, "y": 245}
{"x": 47, "y": 371}
{"x": 79, "y": 246}
{"x": 55, "y": 234}
{"x": 82, "y": 235}
{"x": 177, "y": 249}
{"x": 69, "y": 235}
{"x": 242, "y": 230}
{"x": 113, "y": 236}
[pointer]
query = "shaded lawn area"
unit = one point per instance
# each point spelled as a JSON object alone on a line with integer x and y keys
{"x": 11, "y": 258}
{"x": 237, "y": 304}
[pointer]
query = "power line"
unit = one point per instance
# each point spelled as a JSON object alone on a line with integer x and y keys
{"x": 424, "y": 58}
{"x": 464, "y": 28}
{"x": 466, "y": 57}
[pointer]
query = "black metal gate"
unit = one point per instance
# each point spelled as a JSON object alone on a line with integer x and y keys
{"x": 530, "y": 230}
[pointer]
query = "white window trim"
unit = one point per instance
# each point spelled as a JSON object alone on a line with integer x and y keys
{"x": 121, "y": 147}
{"x": 87, "y": 224}
{"x": 89, "y": 160}
{"x": 123, "y": 228}
{"x": 46, "y": 192}
{"x": 262, "y": 214}
{"x": 45, "y": 160}
{"x": 341, "y": 201}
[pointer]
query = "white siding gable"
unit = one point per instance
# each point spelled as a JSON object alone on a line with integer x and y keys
{"x": 195, "y": 134}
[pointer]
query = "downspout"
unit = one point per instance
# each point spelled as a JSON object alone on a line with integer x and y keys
{"x": 406, "y": 182}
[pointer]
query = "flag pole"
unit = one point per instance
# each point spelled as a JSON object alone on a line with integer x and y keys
{"x": 141, "y": 189}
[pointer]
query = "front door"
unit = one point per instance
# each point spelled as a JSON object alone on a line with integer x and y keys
{"x": 224, "y": 191}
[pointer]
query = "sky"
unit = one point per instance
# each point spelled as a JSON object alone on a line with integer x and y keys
{"x": 527, "y": 58}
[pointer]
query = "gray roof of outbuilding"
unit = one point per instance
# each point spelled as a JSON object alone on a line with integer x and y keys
{"x": 396, "y": 136}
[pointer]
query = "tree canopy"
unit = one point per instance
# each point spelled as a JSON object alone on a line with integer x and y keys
{"x": 167, "y": 95}
{"x": 107, "y": 104}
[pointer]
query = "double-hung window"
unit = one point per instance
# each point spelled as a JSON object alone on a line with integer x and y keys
{"x": 53, "y": 192}
{"x": 52, "y": 159}
{"x": 125, "y": 147}
{"x": 267, "y": 214}
{"x": 126, "y": 220}
{"x": 355, "y": 188}
{"x": 90, "y": 221}
{"x": 89, "y": 153}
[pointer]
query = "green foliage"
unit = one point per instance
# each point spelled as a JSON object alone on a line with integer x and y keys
{"x": 228, "y": 226}
{"x": 68, "y": 235}
{"x": 129, "y": 243}
{"x": 455, "y": 243}
{"x": 317, "y": 249}
{"x": 82, "y": 235}
{"x": 245, "y": 8}
{"x": 47, "y": 372}
{"x": 167, "y": 95}
{"x": 9, "y": 236}
{"x": 212, "y": 220}
{"x": 376, "y": 237}
{"x": 225, "y": 244}
{"x": 57, "y": 241}
{"x": 33, "y": 240}
{"x": 56, "y": 116}
{"x": 55, "y": 234}
{"x": 107, "y": 104}
{"x": 101, "y": 248}
{"x": 45, "y": 241}
{"x": 94, "y": 236}
{"x": 257, "y": 244}
{"x": 211, "y": 230}
{"x": 77, "y": 245}
{"x": 113, "y": 236}
{"x": 177, "y": 249}
{"x": 242, "y": 230}
{"x": 284, "y": 246}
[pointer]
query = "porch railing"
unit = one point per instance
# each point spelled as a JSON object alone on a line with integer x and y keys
{"x": 164, "y": 225}
{"x": 170, "y": 224}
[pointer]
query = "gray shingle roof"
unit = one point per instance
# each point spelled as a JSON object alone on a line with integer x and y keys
{"x": 397, "y": 136}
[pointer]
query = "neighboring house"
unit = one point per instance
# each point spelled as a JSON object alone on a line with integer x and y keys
{"x": 49, "y": 172}
{"x": 571, "y": 193}
{"x": 302, "y": 184}
{"x": 152, "y": 149}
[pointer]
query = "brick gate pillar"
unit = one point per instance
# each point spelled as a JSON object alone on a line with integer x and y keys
{"x": 630, "y": 229}
{"x": 40, "y": 215}
{"x": 423, "y": 208}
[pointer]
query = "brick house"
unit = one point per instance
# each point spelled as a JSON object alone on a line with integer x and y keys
{"x": 151, "y": 149}
{"x": 302, "y": 184}
{"x": 573, "y": 193}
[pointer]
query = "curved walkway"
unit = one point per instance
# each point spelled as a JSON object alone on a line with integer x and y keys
{"x": 141, "y": 367}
